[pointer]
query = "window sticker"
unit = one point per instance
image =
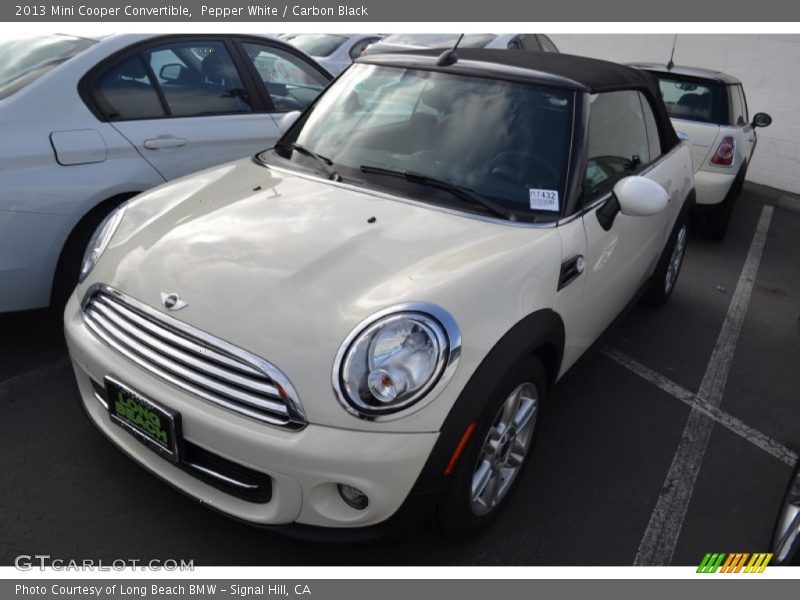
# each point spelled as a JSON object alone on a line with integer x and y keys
{"x": 544, "y": 200}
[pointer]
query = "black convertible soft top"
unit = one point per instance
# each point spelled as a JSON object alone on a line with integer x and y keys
{"x": 581, "y": 73}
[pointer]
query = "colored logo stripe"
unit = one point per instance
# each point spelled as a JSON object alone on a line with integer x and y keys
{"x": 734, "y": 562}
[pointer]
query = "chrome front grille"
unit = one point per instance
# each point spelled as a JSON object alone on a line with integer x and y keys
{"x": 193, "y": 360}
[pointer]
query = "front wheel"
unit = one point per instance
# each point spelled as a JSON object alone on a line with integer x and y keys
{"x": 496, "y": 455}
{"x": 669, "y": 267}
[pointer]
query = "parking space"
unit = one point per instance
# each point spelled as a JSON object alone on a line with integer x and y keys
{"x": 670, "y": 441}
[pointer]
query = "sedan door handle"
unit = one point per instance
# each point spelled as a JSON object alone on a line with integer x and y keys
{"x": 163, "y": 142}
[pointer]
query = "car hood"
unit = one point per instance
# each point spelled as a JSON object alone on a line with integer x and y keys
{"x": 285, "y": 265}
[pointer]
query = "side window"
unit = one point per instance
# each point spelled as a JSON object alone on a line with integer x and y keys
{"x": 529, "y": 42}
{"x": 618, "y": 144}
{"x": 198, "y": 78}
{"x": 651, "y": 126}
{"x": 292, "y": 83}
{"x": 547, "y": 44}
{"x": 515, "y": 43}
{"x": 745, "y": 112}
{"x": 738, "y": 108}
{"x": 126, "y": 92}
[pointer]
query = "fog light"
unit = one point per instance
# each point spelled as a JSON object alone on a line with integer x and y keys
{"x": 353, "y": 496}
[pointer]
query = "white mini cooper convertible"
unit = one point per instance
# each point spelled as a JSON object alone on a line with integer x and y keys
{"x": 358, "y": 327}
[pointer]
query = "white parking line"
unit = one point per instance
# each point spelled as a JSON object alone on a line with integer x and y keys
{"x": 661, "y": 536}
{"x": 727, "y": 420}
{"x": 30, "y": 377}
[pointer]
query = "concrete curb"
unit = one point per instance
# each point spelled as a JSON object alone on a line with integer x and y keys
{"x": 791, "y": 203}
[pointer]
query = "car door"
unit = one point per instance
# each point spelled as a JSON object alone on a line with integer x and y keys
{"x": 623, "y": 141}
{"x": 185, "y": 104}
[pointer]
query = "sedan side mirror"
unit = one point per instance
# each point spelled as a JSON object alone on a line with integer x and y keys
{"x": 762, "y": 120}
{"x": 634, "y": 196}
{"x": 287, "y": 121}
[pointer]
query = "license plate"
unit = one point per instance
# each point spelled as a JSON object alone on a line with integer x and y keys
{"x": 157, "y": 427}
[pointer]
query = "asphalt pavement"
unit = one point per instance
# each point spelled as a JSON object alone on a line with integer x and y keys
{"x": 674, "y": 439}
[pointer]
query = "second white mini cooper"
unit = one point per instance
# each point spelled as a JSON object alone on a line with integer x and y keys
{"x": 358, "y": 327}
{"x": 709, "y": 110}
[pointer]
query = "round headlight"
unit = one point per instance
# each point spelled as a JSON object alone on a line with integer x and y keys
{"x": 99, "y": 241}
{"x": 392, "y": 360}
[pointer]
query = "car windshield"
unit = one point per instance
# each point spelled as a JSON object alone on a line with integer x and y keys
{"x": 25, "y": 59}
{"x": 440, "y": 40}
{"x": 318, "y": 45}
{"x": 694, "y": 100}
{"x": 505, "y": 141}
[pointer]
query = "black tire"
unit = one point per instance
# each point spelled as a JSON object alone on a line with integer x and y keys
{"x": 716, "y": 225}
{"x": 660, "y": 286}
{"x": 455, "y": 515}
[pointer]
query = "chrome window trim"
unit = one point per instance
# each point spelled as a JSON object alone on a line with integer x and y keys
{"x": 449, "y": 357}
{"x": 295, "y": 416}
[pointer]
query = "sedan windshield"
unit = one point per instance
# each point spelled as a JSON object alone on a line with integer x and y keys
{"x": 25, "y": 59}
{"x": 503, "y": 141}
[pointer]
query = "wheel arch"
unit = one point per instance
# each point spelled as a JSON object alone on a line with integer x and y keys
{"x": 81, "y": 230}
{"x": 541, "y": 335}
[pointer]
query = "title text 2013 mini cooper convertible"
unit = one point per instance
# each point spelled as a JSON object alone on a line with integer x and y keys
{"x": 359, "y": 326}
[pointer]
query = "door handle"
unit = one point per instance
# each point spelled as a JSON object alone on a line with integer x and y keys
{"x": 163, "y": 142}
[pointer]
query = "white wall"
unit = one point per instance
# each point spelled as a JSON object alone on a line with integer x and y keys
{"x": 768, "y": 65}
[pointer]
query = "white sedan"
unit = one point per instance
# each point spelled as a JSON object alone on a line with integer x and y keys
{"x": 333, "y": 51}
{"x": 358, "y": 328}
{"x": 88, "y": 123}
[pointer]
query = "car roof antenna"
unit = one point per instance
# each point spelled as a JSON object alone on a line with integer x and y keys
{"x": 449, "y": 57}
{"x": 671, "y": 62}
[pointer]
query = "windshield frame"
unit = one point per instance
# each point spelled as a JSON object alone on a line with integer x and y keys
{"x": 566, "y": 188}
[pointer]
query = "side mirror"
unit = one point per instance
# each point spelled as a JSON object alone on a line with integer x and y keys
{"x": 640, "y": 196}
{"x": 287, "y": 121}
{"x": 762, "y": 120}
{"x": 634, "y": 196}
{"x": 171, "y": 72}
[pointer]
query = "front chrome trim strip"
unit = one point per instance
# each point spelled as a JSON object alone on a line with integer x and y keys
{"x": 272, "y": 399}
{"x": 449, "y": 356}
{"x": 101, "y": 400}
{"x": 220, "y": 477}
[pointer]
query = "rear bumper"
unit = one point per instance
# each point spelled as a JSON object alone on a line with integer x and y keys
{"x": 712, "y": 187}
{"x": 304, "y": 466}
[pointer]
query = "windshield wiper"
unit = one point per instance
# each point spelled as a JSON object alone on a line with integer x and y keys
{"x": 462, "y": 192}
{"x": 323, "y": 161}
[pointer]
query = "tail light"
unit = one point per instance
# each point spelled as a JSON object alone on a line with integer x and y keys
{"x": 723, "y": 157}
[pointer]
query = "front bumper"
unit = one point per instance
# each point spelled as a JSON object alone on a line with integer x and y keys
{"x": 711, "y": 187}
{"x": 304, "y": 466}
